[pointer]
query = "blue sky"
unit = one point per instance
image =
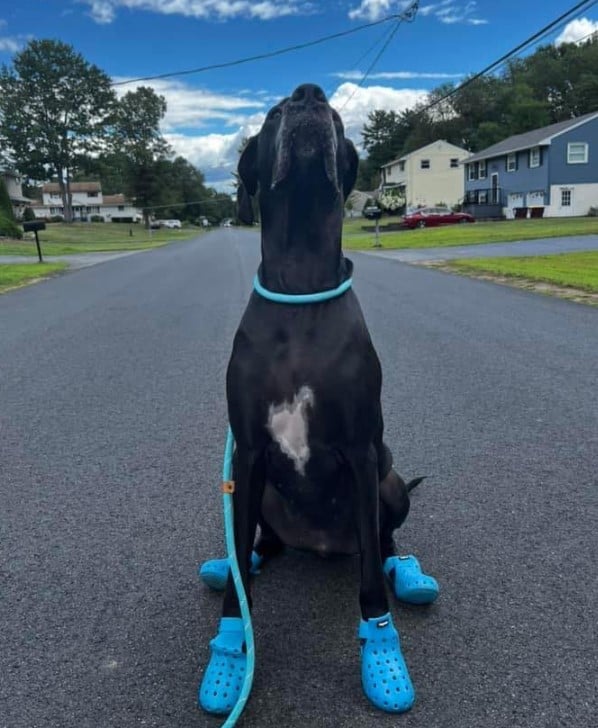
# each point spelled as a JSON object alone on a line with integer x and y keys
{"x": 209, "y": 113}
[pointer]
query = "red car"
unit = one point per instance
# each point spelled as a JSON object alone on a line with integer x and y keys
{"x": 430, "y": 216}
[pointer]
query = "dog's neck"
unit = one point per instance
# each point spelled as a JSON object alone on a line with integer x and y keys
{"x": 301, "y": 243}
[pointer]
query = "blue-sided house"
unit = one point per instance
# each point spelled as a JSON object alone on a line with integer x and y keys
{"x": 550, "y": 172}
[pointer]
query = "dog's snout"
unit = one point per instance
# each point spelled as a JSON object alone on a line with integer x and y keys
{"x": 308, "y": 93}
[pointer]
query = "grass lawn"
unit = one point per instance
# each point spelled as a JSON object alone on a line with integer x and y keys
{"x": 576, "y": 270}
{"x": 12, "y": 275}
{"x": 80, "y": 237}
{"x": 468, "y": 234}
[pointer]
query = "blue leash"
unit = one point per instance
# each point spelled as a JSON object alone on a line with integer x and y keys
{"x": 228, "y": 489}
{"x": 229, "y": 532}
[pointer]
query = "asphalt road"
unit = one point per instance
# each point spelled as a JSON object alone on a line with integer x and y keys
{"x": 112, "y": 422}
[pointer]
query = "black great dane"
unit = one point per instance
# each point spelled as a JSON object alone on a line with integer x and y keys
{"x": 303, "y": 386}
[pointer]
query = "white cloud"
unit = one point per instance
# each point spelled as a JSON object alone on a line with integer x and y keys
{"x": 189, "y": 107}
{"x": 9, "y": 45}
{"x": 104, "y": 11}
{"x": 451, "y": 12}
{"x": 577, "y": 30}
{"x": 393, "y": 75}
{"x": 192, "y": 114}
{"x": 355, "y": 103}
{"x": 376, "y": 9}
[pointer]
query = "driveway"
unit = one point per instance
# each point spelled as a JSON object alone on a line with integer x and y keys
{"x": 542, "y": 246}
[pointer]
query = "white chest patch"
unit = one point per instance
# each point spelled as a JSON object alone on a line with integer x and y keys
{"x": 287, "y": 423}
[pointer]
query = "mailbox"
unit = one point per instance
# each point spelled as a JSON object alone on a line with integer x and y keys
{"x": 33, "y": 226}
{"x": 373, "y": 212}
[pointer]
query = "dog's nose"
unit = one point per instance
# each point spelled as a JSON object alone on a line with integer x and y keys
{"x": 309, "y": 93}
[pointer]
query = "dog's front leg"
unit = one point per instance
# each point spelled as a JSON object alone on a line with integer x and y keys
{"x": 364, "y": 478}
{"x": 223, "y": 678}
{"x": 384, "y": 675}
{"x": 249, "y": 478}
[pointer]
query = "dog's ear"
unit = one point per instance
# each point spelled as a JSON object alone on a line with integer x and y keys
{"x": 351, "y": 168}
{"x": 244, "y": 206}
{"x": 247, "y": 170}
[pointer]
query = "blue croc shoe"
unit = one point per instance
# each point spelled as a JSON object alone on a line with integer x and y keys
{"x": 214, "y": 573}
{"x": 408, "y": 581}
{"x": 384, "y": 674}
{"x": 224, "y": 675}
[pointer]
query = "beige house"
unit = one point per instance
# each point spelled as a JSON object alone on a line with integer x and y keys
{"x": 428, "y": 176}
{"x": 88, "y": 201}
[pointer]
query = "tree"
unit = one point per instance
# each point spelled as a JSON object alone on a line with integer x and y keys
{"x": 54, "y": 107}
{"x": 137, "y": 137}
{"x": 6, "y": 210}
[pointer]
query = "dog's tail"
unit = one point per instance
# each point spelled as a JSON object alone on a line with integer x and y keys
{"x": 414, "y": 483}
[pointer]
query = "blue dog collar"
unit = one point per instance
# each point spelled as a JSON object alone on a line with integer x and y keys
{"x": 301, "y": 297}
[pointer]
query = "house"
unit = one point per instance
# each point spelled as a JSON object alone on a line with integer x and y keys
{"x": 13, "y": 182}
{"x": 552, "y": 171}
{"x": 428, "y": 176}
{"x": 88, "y": 202}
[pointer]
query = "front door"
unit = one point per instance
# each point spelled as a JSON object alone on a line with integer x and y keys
{"x": 495, "y": 194}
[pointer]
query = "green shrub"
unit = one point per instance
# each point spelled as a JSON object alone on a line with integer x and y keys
{"x": 57, "y": 218}
{"x": 96, "y": 218}
{"x": 9, "y": 228}
{"x": 28, "y": 215}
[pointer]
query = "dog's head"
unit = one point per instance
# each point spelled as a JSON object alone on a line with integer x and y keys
{"x": 301, "y": 146}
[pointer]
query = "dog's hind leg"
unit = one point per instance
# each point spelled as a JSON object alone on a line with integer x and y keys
{"x": 404, "y": 573}
{"x": 394, "y": 508}
{"x": 268, "y": 544}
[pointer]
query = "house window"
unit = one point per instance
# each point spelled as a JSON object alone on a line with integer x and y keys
{"x": 577, "y": 153}
{"x": 511, "y": 162}
{"x": 565, "y": 198}
{"x": 92, "y": 194}
{"x": 401, "y": 166}
{"x": 482, "y": 197}
{"x": 121, "y": 207}
{"x": 454, "y": 162}
{"x": 425, "y": 164}
{"x": 482, "y": 169}
{"x": 471, "y": 171}
{"x": 534, "y": 157}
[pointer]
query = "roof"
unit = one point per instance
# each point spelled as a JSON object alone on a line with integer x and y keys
{"x": 534, "y": 138}
{"x": 421, "y": 149}
{"x": 115, "y": 200}
{"x": 52, "y": 187}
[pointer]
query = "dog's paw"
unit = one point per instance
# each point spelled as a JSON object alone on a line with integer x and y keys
{"x": 384, "y": 674}
{"x": 223, "y": 678}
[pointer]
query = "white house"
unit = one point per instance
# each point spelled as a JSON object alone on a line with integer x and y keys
{"x": 88, "y": 201}
{"x": 13, "y": 182}
{"x": 428, "y": 176}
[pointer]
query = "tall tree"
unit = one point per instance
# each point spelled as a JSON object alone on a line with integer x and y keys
{"x": 136, "y": 135}
{"x": 54, "y": 107}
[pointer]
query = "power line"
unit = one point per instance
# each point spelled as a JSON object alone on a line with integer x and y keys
{"x": 576, "y": 9}
{"x": 408, "y": 15}
{"x": 271, "y": 54}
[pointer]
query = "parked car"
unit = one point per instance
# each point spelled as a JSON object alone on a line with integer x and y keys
{"x": 431, "y": 216}
{"x": 172, "y": 224}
